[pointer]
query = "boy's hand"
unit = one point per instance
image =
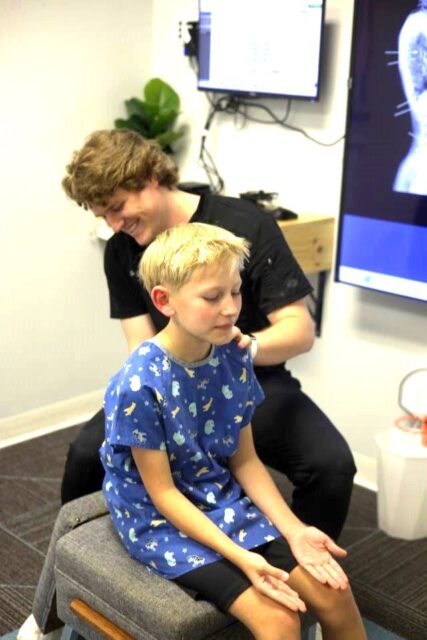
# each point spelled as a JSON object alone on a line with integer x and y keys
{"x": 271, "y": 582}
{"x": 312, "y": 549}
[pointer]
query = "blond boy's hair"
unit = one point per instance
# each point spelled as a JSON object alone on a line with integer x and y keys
{"x": 175, "y": 254}
{"x": 116, "y": 159}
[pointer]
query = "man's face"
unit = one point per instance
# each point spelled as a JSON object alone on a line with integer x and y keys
{"x": 140, "y": 214}
{"x": 207, "y": 306}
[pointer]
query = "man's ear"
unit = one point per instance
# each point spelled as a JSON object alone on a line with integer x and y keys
{"x": 161, "y": 300}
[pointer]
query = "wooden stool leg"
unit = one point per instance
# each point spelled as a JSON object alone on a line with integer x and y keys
{"x": 99, "y": 622}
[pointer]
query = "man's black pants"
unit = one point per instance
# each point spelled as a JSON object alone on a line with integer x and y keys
{"x": 291, "y": 435}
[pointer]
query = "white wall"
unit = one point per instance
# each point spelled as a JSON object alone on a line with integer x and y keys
{"x": 65, "y": 68}
{"x": 369, "y": 340}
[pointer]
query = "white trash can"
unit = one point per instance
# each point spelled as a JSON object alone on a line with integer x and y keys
{"x": 402, "y": 484}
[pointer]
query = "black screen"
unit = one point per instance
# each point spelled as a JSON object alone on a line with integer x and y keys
{"x": 260, "y": 47}
{"x": 383, "y": 219}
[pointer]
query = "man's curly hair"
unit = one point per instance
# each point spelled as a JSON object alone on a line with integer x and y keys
{"x": 116, "y": 159}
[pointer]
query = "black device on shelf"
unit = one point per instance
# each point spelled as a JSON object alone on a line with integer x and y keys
{"x": 264, "y": 200}
{"x": 261, "y": 47}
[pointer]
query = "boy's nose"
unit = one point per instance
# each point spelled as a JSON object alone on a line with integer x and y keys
{"x": 230, "y": 307}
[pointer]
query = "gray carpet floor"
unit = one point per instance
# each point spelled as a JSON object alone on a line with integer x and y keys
{"x": 30, "y": 479}
{"x": 389, "y": 576}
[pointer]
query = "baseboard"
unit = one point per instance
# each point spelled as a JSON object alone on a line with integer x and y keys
{"x": 366, "y": 471}
{"x": 51, "y": 417}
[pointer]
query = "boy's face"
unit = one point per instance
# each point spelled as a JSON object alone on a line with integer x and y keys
{"x": 207, "y": 306}
{"x": 141, "y": 214}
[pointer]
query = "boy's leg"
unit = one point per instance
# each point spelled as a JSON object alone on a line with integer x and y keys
{"x": 265, "y": 619}
{"x": 224, "y": 584}
{"x": 295, "y": 437}
{"x": 335, "y": 609}
{"x": 84, "y": 473}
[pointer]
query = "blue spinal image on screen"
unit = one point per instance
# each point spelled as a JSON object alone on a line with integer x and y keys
{"x": 380, "y": 246}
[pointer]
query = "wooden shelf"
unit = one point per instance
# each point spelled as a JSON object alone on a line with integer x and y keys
{"x": 311, "y": 239}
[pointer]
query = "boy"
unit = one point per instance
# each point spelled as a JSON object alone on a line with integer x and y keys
{"x": 188, "y": 495}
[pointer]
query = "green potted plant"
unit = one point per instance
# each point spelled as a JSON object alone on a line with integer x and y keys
{"x": 154, "y": 116}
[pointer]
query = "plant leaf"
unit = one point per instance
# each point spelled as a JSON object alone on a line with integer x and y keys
{"x": 151, "y": 110}
{"x": 158, "y": 92}
{"x": 165, "y": 139}
{"x": 120, "y": 123}
{"x": 154, "y": 117}
{"x": 162, "y": 122}
{"x": 135, "y": 124}
{"x": 135, "y": 106}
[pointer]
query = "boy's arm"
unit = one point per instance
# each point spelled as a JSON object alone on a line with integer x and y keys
{"x": 154, "y": 469}
{"x": 311, "y": 547}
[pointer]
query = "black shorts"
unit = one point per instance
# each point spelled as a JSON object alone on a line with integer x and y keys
{"x": 222, "y": 582}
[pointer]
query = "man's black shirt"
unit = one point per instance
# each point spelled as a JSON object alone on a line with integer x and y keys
{"x": 271, "y": 278}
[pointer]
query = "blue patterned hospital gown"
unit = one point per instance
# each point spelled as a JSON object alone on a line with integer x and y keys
{"x": 194, "y": 413}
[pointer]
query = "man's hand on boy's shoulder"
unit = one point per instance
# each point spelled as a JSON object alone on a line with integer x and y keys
{"x": 243, "y": 340}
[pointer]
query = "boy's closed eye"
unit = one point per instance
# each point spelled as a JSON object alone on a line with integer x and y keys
{"x": 216, "y": 297}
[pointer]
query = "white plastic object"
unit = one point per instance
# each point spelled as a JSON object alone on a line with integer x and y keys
{"x": 402, "y": 485}
{"x": 413, "y": 393}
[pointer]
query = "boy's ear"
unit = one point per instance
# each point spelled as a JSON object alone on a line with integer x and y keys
{"x": 161, "y": 300}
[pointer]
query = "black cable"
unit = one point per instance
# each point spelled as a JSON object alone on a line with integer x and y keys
{"x": 309, "y": 137}
{"x": 216, "y": 182}
{"x": 275, "y": 119}
{"x": 282, "y": 121}
{"x": 238, "y": 105}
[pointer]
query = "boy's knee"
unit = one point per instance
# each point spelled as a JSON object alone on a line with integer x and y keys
{"x": 281, "y": 624}
{"x": 334, "y": 604}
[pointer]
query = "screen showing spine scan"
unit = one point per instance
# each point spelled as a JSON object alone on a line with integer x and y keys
{"x": 411, "y": 176}
{"x": 382, "y": 240}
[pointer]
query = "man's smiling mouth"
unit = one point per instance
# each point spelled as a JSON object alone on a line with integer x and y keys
{"x": 130, "y": 230}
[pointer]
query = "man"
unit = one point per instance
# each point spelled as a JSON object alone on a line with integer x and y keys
{"x": 132, "y": 184}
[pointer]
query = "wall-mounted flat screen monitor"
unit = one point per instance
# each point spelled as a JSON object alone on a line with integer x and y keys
{"x": 261, "y": 47}
{"x": 383, "y": 219}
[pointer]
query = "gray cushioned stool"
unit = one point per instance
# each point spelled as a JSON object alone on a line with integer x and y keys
{"x": 121, "y": 598}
